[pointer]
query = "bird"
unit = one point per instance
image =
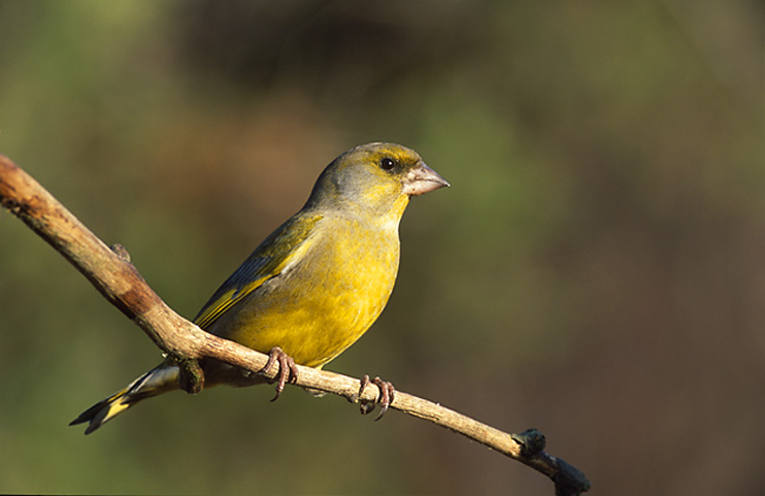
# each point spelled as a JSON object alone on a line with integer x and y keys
{"x": 313, "y": 286}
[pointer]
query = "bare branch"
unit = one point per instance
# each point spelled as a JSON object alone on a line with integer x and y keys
{"x": 111, "y": 272}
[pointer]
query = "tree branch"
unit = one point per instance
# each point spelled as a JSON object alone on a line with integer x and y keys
{"x": 111, "y": 272}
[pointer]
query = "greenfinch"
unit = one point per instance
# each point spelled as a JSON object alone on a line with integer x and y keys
{"x": 314, "y": 285}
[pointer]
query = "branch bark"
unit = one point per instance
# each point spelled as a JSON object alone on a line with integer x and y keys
{"x": 111, "y": 272}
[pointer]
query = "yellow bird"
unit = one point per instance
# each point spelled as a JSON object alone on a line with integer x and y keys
{"x": 313, "y": 286}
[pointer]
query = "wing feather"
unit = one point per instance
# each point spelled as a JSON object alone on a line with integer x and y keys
{"x": 279, "y": 250}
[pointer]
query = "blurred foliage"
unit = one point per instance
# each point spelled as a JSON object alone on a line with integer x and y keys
{"x": 595, "y": 271}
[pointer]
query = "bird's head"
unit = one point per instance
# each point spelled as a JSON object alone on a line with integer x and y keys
{"x": 377, "y": 177}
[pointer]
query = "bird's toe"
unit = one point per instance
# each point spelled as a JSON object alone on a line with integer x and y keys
{"x": 387, "y": 394}
{"x": 288, "y": 371}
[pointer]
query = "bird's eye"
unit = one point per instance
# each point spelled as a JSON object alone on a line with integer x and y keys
{"x": 387, "y": 163}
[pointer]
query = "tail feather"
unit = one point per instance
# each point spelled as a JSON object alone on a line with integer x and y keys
{"x": 103, "y": 411}
{"x": 156, "y": 381}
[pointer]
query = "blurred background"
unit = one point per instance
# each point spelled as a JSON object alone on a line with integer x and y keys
{"x": 595, "y": 271}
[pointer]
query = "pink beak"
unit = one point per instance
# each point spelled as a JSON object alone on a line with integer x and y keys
{"x": 422, "y": 179}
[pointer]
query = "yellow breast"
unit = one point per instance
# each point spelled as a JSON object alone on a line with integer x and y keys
{"x": 326, "y": 300}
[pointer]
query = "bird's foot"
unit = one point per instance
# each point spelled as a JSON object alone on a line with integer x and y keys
{"x": 387, "y": 393}
{"x": 288, "y": 371}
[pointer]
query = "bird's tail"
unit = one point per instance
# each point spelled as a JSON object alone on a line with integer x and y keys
{"x": 158, "y": 380}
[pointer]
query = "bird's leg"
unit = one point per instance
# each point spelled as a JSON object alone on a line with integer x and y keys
{"x": 387, "y": 393}
{"x": 288, "y": 371}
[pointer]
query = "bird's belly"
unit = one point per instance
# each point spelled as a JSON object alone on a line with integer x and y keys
{"x": 320, "y": 307}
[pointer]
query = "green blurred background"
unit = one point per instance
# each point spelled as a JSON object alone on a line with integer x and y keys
{"x": 595, "y": 271}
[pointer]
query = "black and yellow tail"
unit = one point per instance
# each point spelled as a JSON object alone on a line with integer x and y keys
{"x": 158, "y": 380}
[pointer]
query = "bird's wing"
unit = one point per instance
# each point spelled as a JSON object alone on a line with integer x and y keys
{"x": 282, "y": 248}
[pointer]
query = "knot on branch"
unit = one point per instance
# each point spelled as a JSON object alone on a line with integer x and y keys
{"x": 568, "y": 480}
{"x": 121, "y": 252}
{"x": 532, "y": 442}
{"x": 191, "y": 377}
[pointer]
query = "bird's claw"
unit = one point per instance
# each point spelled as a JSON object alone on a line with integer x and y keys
{"x": 288, "y": 371}
{"x": 387, "y": 393}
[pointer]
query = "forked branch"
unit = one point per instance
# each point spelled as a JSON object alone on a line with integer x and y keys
{"x": 111, "y": 272}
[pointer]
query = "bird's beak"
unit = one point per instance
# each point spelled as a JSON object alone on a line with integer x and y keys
{"x": 422, "y": 179}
